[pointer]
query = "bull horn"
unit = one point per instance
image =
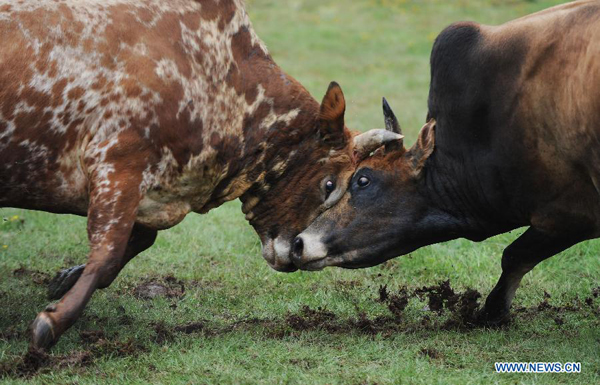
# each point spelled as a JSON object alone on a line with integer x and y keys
{"x": 391, "y": 123}
{"x": 366, "y": 143}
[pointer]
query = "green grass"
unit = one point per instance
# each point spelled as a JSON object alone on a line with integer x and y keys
{"x": 372, "y": 48}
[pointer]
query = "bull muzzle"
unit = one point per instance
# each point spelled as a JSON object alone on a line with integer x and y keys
{"x": 277, "y": 254}
{"x": 309, "y": 252}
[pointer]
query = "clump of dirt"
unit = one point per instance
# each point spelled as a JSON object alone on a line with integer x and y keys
{"x": 37, "y": 277}
{"x": 468, "y": 306}
{"x": 463, "y": 307}
{"x": 168, "y": 286}
{"x": 398, "y": 302}
{"x": 309, "y": 318}
{"x": 439, "y": 296}
{"x": 383, "y": 293}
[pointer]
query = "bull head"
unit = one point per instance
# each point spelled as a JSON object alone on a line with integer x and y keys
{"x": 391, "y": 137}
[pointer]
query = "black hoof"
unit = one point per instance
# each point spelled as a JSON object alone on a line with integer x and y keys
{"x": 42, "y": 332}
{"x": 64, "y": 281}
{"x": 493, "y": 318}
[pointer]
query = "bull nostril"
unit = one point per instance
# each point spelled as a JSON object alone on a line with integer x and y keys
{"x": 298, "y": 247}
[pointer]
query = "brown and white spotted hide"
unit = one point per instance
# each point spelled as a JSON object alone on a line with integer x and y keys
{"x": 183, "y": 92}
{"x": 136, "y": 113}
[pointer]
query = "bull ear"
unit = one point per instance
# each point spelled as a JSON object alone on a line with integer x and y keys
{"x": 331, "y": 117}
{"x": 391, "y": 124}
{"x": 424, "y": 147}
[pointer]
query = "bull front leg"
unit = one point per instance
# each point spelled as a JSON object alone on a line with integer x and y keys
{"x": 140, "y": 240}
{"x": 111, "y": 216}
{"x": 519, "y": 258}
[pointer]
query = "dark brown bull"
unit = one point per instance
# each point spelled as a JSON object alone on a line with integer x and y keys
{"x": 512, "y": 139}
{"x": 136, "y": 113}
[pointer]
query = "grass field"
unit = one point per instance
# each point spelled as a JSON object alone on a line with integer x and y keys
{"x": 218, "y": 314}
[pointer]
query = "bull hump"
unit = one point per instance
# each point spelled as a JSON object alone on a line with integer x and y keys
{"x": 85, "y": 82}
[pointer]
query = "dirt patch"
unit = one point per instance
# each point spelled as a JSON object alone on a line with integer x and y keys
{"x": 308, "y": 318}
{"x": 382, "y": 325}
{"x": 91, "y": 336}
{"x": 37, "y": 277}
{"x": 462, "y": 307}
{"x": 163, "y": 333}
{"x": 460, "y": 310}
{"x": 169, "y": 287}
{"x": 468, "y": 307}
{"x": 446, "y": 309}
{"x": 27, "y": 365}
{"x": 439, "y": 296}
{"x": 396, "y": 302}
{"x": 37, "y": 361}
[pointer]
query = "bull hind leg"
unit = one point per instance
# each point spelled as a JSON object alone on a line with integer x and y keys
{"x": 111, "y": 218}
{"x": 141, "y": 239}
{"x": 520, "y": 257}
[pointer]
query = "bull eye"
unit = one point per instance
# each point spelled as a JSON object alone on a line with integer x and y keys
{"x": 363, "y": 181}
{"x": 329, "y": 187}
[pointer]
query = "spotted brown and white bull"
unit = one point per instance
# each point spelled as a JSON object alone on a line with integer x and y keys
{"x": 136, "y": 113}
{"x": 512, "y": 139}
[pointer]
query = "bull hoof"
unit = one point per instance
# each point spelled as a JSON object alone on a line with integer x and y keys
{"x": 42, "y": 332}
{"x": 493, "y": 318}
{"x": 64, "y": 281}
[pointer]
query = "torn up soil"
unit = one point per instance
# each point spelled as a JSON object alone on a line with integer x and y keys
{"x": 37, "y": 277}
{"x": 307, "y": 319}
{"x": 446, "y": 309}
{"x": 462, "y": 307}
{"x": 168, "y": 286}
{"x": 36, "y": 361}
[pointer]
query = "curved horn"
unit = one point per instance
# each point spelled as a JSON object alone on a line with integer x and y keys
{"x": 391, "y": 123}
{"x": 366, "y": 143}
